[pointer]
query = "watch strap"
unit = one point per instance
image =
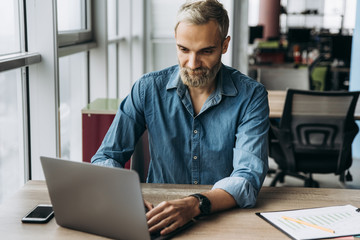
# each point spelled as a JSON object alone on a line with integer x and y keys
{"x": 204, "y": 204}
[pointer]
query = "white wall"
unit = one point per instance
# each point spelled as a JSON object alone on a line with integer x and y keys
{"x": 355, "y": 72}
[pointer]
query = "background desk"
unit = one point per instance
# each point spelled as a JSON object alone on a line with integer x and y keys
{"x": 277, "y": 101}
{"x": 231, "y": 224}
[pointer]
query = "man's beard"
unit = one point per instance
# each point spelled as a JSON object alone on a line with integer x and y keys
{"x": 199, "y": 77}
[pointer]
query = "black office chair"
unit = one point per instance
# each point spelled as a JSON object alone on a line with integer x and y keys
{"x": 314, "y": 135}
{"x": 140, "y": 159}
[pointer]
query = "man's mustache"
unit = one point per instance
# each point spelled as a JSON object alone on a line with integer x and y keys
{"x": 195, "y": 71}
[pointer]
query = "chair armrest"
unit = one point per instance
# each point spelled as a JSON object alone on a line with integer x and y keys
{"x": 345, "y": 151}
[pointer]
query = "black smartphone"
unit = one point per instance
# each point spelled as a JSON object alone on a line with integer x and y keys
{"x": 42, "y": 213}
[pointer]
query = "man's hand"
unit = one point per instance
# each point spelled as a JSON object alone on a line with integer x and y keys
{"x": 170, "y": 215}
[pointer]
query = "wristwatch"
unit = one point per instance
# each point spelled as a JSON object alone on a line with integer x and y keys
{"x": 204, "y": 204}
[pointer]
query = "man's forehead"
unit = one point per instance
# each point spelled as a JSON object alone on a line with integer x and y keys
{"x": 206, "y": 35}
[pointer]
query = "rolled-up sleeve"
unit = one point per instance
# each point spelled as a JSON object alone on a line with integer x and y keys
{"x": 250, "y": 156}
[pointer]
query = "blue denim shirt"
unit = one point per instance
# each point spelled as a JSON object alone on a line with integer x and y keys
{"x": 225, "y": 145}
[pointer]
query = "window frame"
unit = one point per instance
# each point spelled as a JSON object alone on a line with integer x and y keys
{"x": 75, "y": 41}
{"x": 18, "y": 60}
{"x": 74, "y": 37}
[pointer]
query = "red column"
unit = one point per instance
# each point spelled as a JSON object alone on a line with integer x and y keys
{"x": 269, "y": 17}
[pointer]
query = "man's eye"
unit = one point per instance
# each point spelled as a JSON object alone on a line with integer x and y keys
{"x": 184, "y": 49}
{"x": 208, "y": 51}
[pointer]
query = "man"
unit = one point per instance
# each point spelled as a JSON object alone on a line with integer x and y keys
{"x": 207, "y": 123}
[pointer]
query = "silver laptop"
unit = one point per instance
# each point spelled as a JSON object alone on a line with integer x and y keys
{"x": 99, "y": 200}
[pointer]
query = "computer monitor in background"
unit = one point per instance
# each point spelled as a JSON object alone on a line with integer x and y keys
{"x": 299, "y": 35}
{"x": 255, "y": 32}
{"x": 341, "y": 48}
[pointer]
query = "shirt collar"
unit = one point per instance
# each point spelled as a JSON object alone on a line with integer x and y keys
{"x": 226, "y": 88}
{"x": 175, "y": 82}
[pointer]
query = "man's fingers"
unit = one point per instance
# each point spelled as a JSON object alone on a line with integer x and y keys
{"x": 160, "y": 223}
{"x": 170, "y": 228}
{"x": 164, "y": 209}
{"x": 168, "y": 216}
{"x": 154, "y": 211}
{"x": 166, "y": 226}
{"x": 159, "y": 217}
{"x": 148, "y": 205}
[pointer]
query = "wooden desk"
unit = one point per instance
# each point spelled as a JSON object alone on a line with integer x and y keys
{"x": 277, "y": 101}
{"x": 232, "y": 224}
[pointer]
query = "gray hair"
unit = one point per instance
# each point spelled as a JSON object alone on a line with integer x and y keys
{"x": 201, "y": 12}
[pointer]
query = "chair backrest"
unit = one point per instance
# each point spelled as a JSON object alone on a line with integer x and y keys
{"x": 141, "y": 157}
{"x": 320, "y": 121}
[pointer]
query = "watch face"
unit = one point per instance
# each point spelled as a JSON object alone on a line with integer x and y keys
{"x": 204, "y": 205}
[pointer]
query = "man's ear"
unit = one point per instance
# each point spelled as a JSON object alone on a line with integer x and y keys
{"x": 225, "y": 45}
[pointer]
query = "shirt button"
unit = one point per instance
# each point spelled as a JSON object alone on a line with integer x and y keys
{"x": 195, "y": 131}
{"x": 195, "y": 182}
{"x": 195, "y": 157}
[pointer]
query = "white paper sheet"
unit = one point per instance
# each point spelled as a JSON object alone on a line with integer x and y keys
{"x": 344, "y": 220}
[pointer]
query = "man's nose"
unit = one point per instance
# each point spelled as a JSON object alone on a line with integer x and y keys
{"x": 194, "y": 61}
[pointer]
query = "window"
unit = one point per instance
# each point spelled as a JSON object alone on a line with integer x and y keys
{"x": 12, "y": 134}
{"x": 13, "y": 96}
{"x": 125, "y": 50}
{"x": 69, "y": 18}
{"x": 253, "y": 18}
{"x": 339, "y": 15}
{"x": 74, "y": 29}
{"x": 73, "y": 97}
{"x": 9, "y": 27}
{"x": 321, "y": 14}
{"x": 74, "y": 22}
{"x": 350, "y": 14}
{"x": 12, "y": 45}
{"x": 161, "y": 45}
